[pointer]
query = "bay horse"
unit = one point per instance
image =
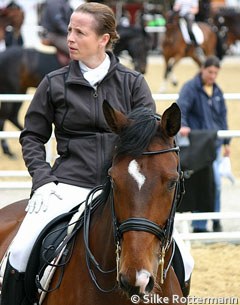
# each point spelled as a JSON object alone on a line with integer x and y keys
{"x": 174, "y": 47}
{"x": 124, "y": 250}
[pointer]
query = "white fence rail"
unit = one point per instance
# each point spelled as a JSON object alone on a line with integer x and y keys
{"x": 185, "y": 218}
{"x": 157, "y": 97}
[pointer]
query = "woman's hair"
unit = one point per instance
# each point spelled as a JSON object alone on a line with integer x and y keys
{"x": 105, "y": 20}
{"x": 212, "y": 61}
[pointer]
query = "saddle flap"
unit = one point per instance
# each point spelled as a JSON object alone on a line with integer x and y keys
{"x": 44, "y": 251}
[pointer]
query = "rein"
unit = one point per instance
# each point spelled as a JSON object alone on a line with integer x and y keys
{"x": 136, "y": 224}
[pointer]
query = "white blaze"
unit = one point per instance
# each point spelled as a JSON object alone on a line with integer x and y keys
{"x": 134, "y": 171}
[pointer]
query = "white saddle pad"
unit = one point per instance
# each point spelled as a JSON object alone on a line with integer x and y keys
{"x": 197, "y": 32}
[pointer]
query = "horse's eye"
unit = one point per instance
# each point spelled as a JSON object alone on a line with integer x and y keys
{"x": 172, "y": 184}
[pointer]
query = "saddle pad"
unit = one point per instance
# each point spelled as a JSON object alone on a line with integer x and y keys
{"x": 47, "y": 277}
{"x": 197, "y": 32}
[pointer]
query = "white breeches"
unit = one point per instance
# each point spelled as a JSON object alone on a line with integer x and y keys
{"x": 34, "y": 223}
{"x": 188, "y": 260}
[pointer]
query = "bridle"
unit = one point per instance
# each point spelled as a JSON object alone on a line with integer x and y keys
{"x": 164, "y": 234}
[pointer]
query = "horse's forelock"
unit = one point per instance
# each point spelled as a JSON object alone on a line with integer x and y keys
{"x": 135, "y": 138}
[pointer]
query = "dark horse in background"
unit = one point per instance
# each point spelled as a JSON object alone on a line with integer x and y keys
{"x": 122, "y": 246}
{"x": 227, "y": 21}
{"x": 22, "y": 68}
{"x": 137, "y": 42}
{"x": 175, "y": 48}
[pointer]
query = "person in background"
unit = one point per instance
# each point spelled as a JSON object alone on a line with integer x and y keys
{"x": 188, "y": 10}
{"x": 203, "y": 108}
{"x": 55, "y": 18}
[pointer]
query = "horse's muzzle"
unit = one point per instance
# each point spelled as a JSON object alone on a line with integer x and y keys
{"x": 143, "y": 284}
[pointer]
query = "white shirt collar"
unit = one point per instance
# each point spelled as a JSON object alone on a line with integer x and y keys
{"x": 94, "y": 76}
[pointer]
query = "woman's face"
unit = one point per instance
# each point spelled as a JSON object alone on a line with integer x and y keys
{"x": 209, "y": 75}
{"x": 83, "y": 41}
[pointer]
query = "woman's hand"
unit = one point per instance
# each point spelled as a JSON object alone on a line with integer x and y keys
{"x": 41, "y": 198}
{"x": 184, "y": 131}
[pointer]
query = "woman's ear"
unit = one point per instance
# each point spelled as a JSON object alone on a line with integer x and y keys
{"x": 104, "y": 40}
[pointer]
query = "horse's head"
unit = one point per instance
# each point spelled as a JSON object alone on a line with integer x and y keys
{"x": 172, "y": 18}
{"x": 12, "y": 16}
{"x": 145, "y": 177}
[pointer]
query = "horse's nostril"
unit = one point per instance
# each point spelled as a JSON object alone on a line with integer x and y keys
{"x": 150, "y": 284}
{"x": 126, "y": 286}
{"x": 123, "y": 281}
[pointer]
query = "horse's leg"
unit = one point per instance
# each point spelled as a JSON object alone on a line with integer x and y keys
{"x": 164, "y": 85}
{"x": 168, "y": 73}
{"x": 4, "y": 144}
{"x": 13, "y": 117}
{"x": 172, "y": 76}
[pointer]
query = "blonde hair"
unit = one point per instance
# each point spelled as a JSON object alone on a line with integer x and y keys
{"x": 105, "y": 20}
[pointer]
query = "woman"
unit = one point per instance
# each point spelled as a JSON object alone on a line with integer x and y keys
{"x": 203, "y": 107}
{"x": 71, "y": 100}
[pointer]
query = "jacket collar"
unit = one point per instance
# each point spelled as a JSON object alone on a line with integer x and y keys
{"x": 75, "y": 75}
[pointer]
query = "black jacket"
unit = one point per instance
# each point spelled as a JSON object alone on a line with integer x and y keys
{"x": 84, "y": 141}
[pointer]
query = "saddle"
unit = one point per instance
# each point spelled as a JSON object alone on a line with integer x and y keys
{"x": 51, "y": 250}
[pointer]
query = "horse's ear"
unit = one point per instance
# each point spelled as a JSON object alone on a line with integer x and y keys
{"x": 171, "y": 120}
{"x": 116, "y": 120}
